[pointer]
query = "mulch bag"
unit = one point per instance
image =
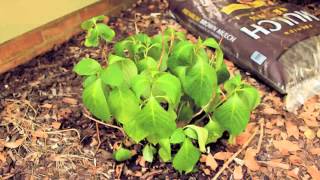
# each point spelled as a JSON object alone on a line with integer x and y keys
{"x": 279, "y": 43}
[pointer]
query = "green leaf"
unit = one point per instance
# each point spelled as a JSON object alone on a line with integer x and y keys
{"x": 121, "y": 46}
{"x": 122, "y": 154}
{"x": 86, "y": 25}
{"x": 87, "y": 66}
{"x": 105, "y": 32}
{"x": 182, "y": 55}
{"x": 112, "y": 75}
{"x": 128, "y": 68}
{"x": 167, "y": 85}
{"x": 92, "y": 38}
{"x": 123, "y": 104}
{"x": 141, "y": 85}
{"x": 143, "y": 38}
{"x": 250, "y": 96}
{"x": 200, "y": 83}
{"x": 210, "y": 42}
{"x": 151, "y": 120}
{"x": 187, "y": 157}
{"x": 232, "y": 84}
{"x": 178, "y": 136}
{"x": 202, "y": 135}
{"x": 148, "y": 152}
{"x": 99, "y": 18}
{"x": 95, "y": 100}
{"x": 165, "y": 150}
{"x": 191, "y": 133}
{"x": 148, "y": 63}
{"x": 89, "y": 80}
{"x": 233, "y": 115}
{"x": 215, "y": 131}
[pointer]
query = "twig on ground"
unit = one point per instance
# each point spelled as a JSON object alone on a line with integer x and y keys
{"x": 65, "y": 130}
{"x": 98, "y": 136}
{"x": 145, "y": 176}
{"x": 105, "y": 124}
{"x": 261, "y": 135}
{"x": 226, "y": 164}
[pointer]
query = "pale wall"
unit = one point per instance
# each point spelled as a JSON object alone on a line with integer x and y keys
{"x": 20, "y": 16}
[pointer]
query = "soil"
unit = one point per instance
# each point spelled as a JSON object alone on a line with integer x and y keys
{"x": 44, "y": 133}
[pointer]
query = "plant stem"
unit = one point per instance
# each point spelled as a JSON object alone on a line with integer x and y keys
{"x": 162, "y": 53}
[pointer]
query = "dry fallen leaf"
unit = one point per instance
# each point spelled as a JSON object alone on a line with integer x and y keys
{"x": 295, "y": 160}
{"x": 309, "y": 134}
{"x": 222, "y": 155}
{"x": 203, "y": 158}
{"x": 270, "y": 111}
{"x": 3, "y": 158}
{"x": 318, "y": 133}
{"x": 70, "y": 101}
{"x": 250, "y": 160}
{"x": 206, "y": 171}
{"x": 294, "y": 173}
{"x": 292, "y": 130}
{"x": 14, "y": 144}
{"x": 211, "y": 162}
{"x": 242, "y": 138}
{"x": 47, "y": 106}
{"x": 237, "y": 173}
{"x": 56, "y": 125}
{"x": 39, "y": 134}
{"x": 314, "y": 172}
{"x": 315, "y": 151}
{"x": 285, "y": 146}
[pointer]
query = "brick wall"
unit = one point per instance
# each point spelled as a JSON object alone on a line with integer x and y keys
{"x": 38, "y": 41}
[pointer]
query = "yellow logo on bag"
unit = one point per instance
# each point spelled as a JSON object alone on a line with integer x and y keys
{"x": 237, "y": 6}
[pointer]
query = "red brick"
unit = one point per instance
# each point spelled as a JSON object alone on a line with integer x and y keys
{"x": 58, "y": 28}
{"x": 24, "y": 42}
{"x": 95, "y": 9}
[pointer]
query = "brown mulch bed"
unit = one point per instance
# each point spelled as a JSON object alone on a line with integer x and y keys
{"x": 45, "y": 135}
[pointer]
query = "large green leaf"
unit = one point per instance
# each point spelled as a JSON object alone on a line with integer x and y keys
{"x": 122, "y": 154}
{"x": 250, "y": 96}
{"x": 233, "y": 83}
{"x": 167, "y": 85}
{"x": 202, "y": 134}
{"x": 178, "y": 136}
{"x": 187, "y": 157}
{"x": 95, "y": 100}
{"x": 151, "y": 120}
{"x": 123, "y": 104}
{"x": 128, "y": 68}
{"x": 89, "y": 80}
{"x": 200, "y": 83}
{"x": 141, "y": 85}
{"x": 182, "y": 55}
{"x": 105, "y": 32}
{"x": 147, "y": 63}
{"x": 112, "y": 75}
{"x": 87, "y": 66}
{"x": 233, "y": 115}
{"x": 165, "y": 150}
